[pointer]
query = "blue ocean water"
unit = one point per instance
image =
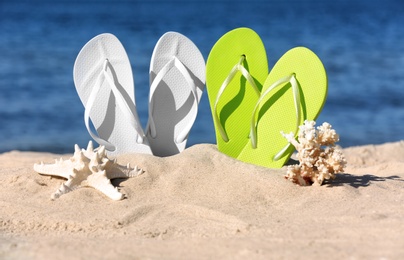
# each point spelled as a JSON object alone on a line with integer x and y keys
{"x": 361, "y": 44}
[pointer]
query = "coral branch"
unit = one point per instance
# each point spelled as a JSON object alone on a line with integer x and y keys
{"x": 319, "y": 158}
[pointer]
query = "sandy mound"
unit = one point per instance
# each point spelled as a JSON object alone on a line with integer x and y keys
{"x": 203, "y": 204}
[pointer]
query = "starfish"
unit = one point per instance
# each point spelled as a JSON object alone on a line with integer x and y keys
{"x": 88, "y": 168}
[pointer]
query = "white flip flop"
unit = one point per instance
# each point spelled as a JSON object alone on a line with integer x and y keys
{"x": 104, "y": 82}
{"x": 177, "y": 81}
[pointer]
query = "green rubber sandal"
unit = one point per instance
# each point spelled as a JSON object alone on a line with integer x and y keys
{"x": 295, "y": 90}
{"x": 236, "y": 67}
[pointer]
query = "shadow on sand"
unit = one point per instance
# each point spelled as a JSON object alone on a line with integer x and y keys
{"x": 359, "y": 181}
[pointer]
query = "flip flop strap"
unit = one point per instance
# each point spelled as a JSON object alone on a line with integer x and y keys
{"x": 236, "y": 68}
{"x": 173, "y": 62}
{"x": 120, "y": 100}
{"x": 296, "y": 98}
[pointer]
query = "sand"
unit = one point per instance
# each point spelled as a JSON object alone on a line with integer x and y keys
{"x": 201, "y": 204}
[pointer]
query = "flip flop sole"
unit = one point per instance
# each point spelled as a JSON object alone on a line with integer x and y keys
{"x": 277, "y": 110}
{"x": 172, "y": 102}
{"x": 107, "y": 119}
{"x": 238, "y": 99}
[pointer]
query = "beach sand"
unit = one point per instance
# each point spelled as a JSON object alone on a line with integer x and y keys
{"x": 202, "y": 204}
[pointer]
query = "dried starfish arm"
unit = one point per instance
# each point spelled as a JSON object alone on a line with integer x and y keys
{"x": 115, "y": 171}
{"x": 59, "y": 169}
{"x": 99, "y": 181}
{"x": 71, "y": 184}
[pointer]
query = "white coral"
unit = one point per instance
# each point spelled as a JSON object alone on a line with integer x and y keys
{"x": 319, "y": 158}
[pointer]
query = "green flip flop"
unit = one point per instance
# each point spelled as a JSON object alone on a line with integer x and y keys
{"x": 236, "y": 67}
{"x": 295, "y": 90}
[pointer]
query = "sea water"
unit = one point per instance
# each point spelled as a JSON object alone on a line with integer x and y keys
{"x": 361, "y": 44}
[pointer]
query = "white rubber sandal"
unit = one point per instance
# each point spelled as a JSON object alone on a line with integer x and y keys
{"x": 177, "y": 81}
{"x": 104, "y": 82}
